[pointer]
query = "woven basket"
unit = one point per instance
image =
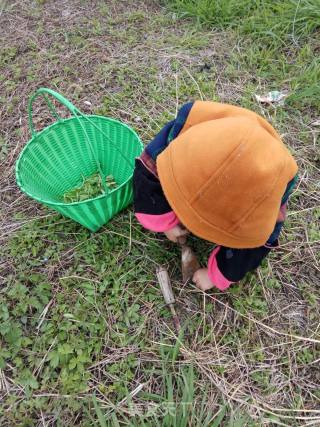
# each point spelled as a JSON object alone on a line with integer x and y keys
{"x": 57, "y": 159}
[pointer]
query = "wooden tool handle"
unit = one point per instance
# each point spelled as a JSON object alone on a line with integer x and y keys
{"x": 165, "y": 285}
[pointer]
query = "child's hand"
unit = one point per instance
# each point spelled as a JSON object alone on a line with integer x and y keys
{"x": 201, "y": 279}
{"x": 177, "y": 232}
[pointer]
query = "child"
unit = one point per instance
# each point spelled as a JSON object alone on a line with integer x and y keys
{"x": 222, "y": 173}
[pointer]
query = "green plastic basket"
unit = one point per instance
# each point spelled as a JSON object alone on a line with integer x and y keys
{"x": 56, "y": 159}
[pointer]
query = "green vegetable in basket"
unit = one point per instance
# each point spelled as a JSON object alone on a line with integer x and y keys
{"x": 90, "y": 188}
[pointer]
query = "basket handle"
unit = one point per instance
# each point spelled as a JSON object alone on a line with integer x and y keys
{"x": 44, "y": 92}
{"x": 73, "y": 110}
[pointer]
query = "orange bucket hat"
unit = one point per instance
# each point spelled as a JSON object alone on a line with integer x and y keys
{"x": 225, "y": 174}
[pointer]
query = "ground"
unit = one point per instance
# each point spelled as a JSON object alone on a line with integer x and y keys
{"x": 86, "y": 339}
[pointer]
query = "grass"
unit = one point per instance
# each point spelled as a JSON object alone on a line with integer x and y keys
{"x": 85, "y": 338}
{"x": 280, "y": 39}
{"x": 280, "y": 21}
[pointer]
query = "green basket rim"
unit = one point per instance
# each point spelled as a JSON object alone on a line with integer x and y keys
{"x": 46, "y": 129}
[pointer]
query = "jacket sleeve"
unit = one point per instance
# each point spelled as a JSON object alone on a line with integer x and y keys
{"x": 151, "y": 207}
{"x": 227, "y": 266}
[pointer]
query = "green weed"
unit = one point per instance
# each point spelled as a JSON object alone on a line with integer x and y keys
{"x": 90, "y": 188}
{"x": 179, "y": 405}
